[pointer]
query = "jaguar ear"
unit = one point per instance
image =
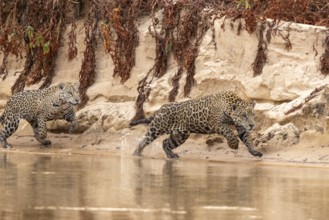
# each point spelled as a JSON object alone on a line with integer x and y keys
{"x": 61, "y": 86}
{"x": 77, "y": 85}
{"x": 56, "y": 103}
{"x": 253, "y": 104}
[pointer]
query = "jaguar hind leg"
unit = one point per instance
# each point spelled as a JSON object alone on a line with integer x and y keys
{"x": 40, "y": 130}
{"x": 150, "y": 136}
{"x": 175, "y": 139}
{"x": 10, "y": 125}
{"x": 4, "y": 142}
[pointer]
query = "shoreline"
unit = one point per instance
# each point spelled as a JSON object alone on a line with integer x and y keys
{"x": 195, "y": 149}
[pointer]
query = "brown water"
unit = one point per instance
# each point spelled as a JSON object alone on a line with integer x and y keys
{"x": 92, "y": 187}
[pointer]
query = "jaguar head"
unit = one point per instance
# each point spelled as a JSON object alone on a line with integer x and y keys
{"x": 69, "y": 93}
{"x": 242, "y": 115}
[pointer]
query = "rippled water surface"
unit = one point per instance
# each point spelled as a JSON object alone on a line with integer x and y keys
{"x": 95, "y": 187}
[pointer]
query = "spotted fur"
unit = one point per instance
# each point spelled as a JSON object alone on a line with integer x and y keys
{"x": 210, "y": 114}
{"x": 37, "y": 107}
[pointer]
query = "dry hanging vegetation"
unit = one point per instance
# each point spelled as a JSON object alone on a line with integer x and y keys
{"x": 184, "y": 23}
{"x": 116, "y": 21}
{"x": 324, "y": 59}
{"x": 32, "y": 30}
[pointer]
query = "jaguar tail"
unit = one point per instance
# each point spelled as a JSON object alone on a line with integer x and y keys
{"x": 141, "y": 121}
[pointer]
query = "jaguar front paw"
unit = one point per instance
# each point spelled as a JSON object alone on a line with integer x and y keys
{"x": 45, "y": 142}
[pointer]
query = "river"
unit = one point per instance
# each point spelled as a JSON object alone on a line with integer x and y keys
{"x": 90, "y": 187}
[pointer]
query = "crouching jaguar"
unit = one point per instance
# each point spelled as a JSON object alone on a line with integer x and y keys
{"x": 210, "y": 114}
{"x": 37, "y": 107}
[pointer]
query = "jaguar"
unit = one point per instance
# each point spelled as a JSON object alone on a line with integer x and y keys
{"x": 37, "y": 107}
{"x": 211, "y": 114}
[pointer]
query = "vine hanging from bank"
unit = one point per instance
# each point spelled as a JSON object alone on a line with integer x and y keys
{"x": 119, "y": 34}
{"x": 87, "y": 72}
{"x": 179, "y": 32}
{"x": 324, "y": 59}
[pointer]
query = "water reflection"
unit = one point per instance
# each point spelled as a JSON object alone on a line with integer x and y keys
{"x": 93, "y": 187}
